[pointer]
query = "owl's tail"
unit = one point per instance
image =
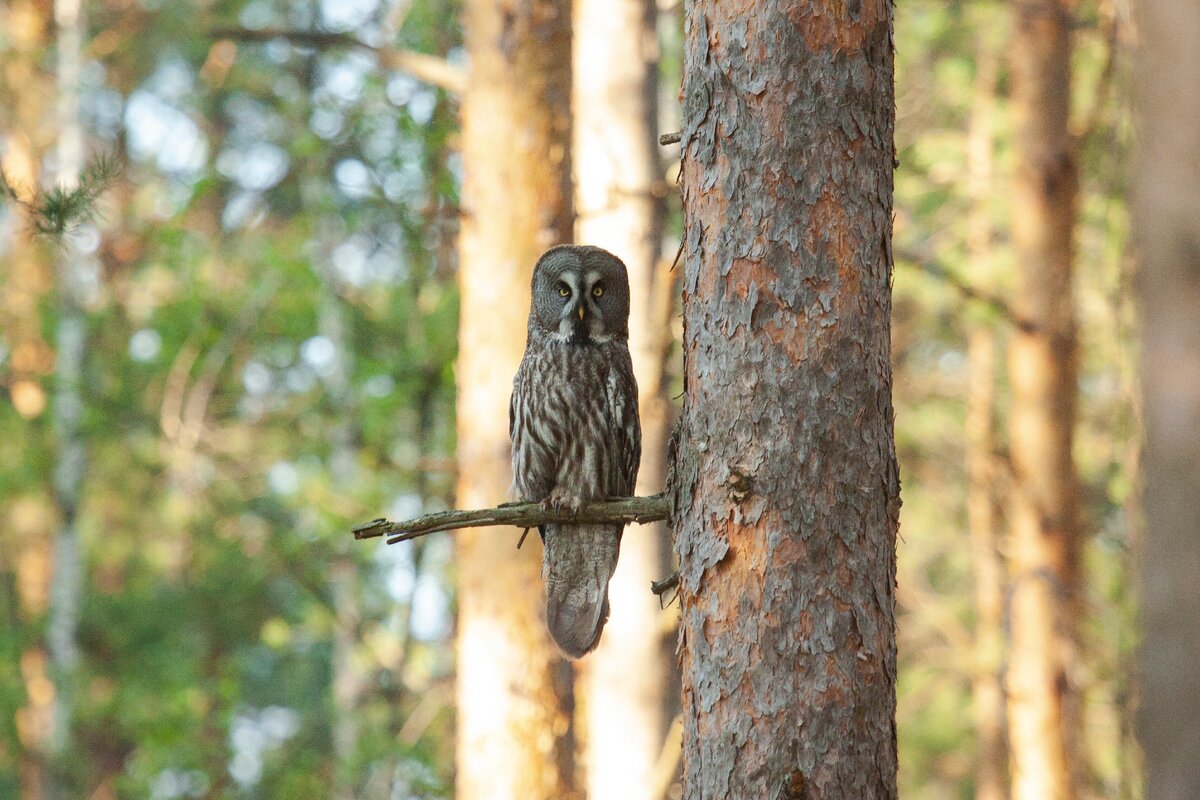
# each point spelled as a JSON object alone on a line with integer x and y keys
{"x": 577, "y": 563}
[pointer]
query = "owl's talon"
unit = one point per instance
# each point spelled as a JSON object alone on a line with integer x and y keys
{"x": 560, "y": 500}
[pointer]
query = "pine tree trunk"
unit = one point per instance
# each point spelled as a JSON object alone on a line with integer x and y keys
{"x": 987, "y": 689}
{"x": 1043, "y": 369}
{"x": 788, "y": 491}
{"x": 1167, "y": 224}
{"x": 514, "y": 690}
{"x": 616, "y": 168}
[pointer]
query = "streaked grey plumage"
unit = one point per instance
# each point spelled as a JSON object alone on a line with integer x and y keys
{"x": 574, "y": 425}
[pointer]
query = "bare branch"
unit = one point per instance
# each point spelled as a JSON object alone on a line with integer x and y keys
{"x": 931, "y": 266}
{"x": 670, "y": 138}
{"x": 664, "y": 585}
{"x": 430, "y": 69}
{"x": 521, "y": 515}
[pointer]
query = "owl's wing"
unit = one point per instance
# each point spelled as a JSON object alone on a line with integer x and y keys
{"x": 627, "y": 428}
{"x": 512, "y": 426}
{"x": 532, "y": 472}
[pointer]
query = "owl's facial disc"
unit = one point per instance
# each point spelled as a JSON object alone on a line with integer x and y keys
{"x": 582, "y": 317}
{"x": 580, "y": 295}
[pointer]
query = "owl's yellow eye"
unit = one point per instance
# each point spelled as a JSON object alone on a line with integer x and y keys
{"x": 597, "y": 291}
{"x": 564, "y": 290}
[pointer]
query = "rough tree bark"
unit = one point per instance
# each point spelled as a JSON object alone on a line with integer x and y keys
{"x": 1044, "y": 561}
{"x": 514, "y": 691}
{"x": 616, "y": 168}
{"x": 1167, "y": 225}
{"x": 788, "y": 491}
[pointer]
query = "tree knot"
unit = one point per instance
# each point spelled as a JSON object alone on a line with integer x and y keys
{"x": 741, "y": 484}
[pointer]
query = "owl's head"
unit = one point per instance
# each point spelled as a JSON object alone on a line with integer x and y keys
{"x": 580, "y": 295}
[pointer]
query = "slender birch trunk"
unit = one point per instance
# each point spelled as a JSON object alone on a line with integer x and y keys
{"x": 66, "y": 586}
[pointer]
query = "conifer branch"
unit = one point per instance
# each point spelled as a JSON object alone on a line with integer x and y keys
{"x": 60, "y": 210}
{"x": 522, "y": 515}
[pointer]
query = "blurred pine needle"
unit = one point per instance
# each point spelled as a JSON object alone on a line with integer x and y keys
{"x": 58, "y": 211}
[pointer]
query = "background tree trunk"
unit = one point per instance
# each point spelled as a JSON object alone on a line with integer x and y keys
{"x": 1167, "y": 218}
{"x": 788, "y": 487}
{"x": 514, "y": 690}
{"x": 616, "y": 168}
{"x": 1043, "y": 368}
{"x": 347, "y": 679}
{"x": 66, "y": 584}
{"x": 987, "y": 689}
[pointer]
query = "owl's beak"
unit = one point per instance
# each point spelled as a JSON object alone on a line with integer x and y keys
{"x": 582, "y": 311}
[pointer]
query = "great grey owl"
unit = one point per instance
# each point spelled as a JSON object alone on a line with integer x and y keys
{"x": 574, "y": 425}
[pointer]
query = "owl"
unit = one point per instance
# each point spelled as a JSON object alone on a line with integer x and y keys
{"x": 573, "y": 419}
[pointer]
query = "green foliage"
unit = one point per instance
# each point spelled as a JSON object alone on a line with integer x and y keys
{"x": 60, "y": 210}
{"x": 270, "y": 346}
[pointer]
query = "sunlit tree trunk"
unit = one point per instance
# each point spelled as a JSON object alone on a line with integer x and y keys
{"x": 514, "y": 690}
{"x": 1043, "y": 369}
{"x": 616, "y": 169}
{"x": 987, "y": 691}
{"x": 788, "y": 491}
{"x": 1167, "y": 220}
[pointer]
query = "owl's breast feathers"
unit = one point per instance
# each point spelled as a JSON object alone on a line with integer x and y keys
{"x": 573, "y": 421}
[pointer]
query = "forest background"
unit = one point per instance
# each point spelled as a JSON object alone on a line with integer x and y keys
{"x": 251, "y": 347}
